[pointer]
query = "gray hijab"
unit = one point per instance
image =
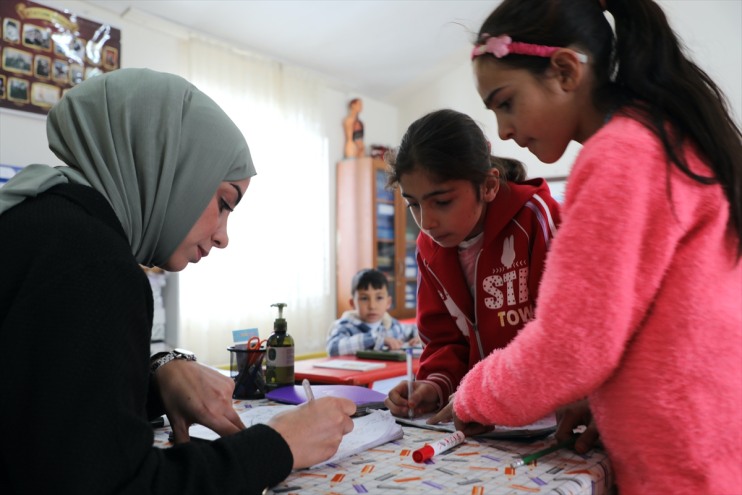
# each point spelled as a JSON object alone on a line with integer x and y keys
{"x": 151, "y": 143}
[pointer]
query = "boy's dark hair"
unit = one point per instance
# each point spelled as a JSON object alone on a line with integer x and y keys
{"x": 368, "y": 277}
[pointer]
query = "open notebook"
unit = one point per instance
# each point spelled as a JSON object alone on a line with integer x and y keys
{"x": 542, "y": 427}
{"x": 374, "y": 429}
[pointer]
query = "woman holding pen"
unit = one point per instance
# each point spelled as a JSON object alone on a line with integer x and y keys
{"x": 155, "y": 169}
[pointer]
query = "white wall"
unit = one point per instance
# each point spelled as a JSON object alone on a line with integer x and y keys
{"x": 710, "y": 29}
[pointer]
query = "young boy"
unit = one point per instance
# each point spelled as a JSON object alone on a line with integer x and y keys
{"x": 368, "y": 325}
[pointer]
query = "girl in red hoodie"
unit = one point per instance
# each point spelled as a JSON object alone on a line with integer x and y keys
{"x": 484, "y": 236}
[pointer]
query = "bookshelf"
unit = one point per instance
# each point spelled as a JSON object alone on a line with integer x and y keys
{"x": 374, "y": 230}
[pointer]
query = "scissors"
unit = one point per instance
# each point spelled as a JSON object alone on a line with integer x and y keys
{"x": 254, "y": 344}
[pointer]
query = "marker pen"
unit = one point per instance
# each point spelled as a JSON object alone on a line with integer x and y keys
{"x": 537, "y": 455}
{"x": 431, "y": 449}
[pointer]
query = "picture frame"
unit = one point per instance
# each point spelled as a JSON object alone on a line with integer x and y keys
{"x": 37, "y": 37}
{"x": 110, "y": 58}
{"x": 77, "y": 50}
{"x": 42, "y": 67}
{"x": 17, "y": 61}
{"x": 76, "y": 74}
{"x": 11, "y": 30}
{"x": 18, "y": 90}
{"x": 48, "y": 47}
{"x": 61, "y": 72}
{"x": 44, "y": 95}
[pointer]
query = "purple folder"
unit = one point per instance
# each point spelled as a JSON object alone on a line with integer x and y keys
{"x": 295, "y": 395}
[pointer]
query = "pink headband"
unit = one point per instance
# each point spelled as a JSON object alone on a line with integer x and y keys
{"x": 501, "y": 46}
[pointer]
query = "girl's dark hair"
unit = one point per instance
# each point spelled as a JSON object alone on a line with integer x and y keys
{"x": 449, "y": 145}
{"x": 643, "y": 68}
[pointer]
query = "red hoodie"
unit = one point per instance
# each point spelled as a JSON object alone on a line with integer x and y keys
{"x": 460, "y": 330}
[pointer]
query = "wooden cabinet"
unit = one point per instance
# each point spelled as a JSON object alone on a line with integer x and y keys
{"x": 374, "y": 230}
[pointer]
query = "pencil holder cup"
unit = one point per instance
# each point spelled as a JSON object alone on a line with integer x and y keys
{"x": 246, "y": 369}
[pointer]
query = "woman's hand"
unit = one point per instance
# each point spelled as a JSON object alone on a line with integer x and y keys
{"x": 314, "y": 429}
{"x": 570, "y": 417}
{"x": 194, "y": 393}
{"x": 424, "y": 399}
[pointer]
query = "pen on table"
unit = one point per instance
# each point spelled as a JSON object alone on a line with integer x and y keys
{"x": 307, "y": 390}
{"x": 431, "y": 449}
{"x": 548, "y": 450}
{"x": 410, "y": 379}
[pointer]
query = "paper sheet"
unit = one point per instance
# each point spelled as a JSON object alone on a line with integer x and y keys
{"x": 541, "y": 427}
{"x": 374, "y": 429}
{"x": 347, "y": 364}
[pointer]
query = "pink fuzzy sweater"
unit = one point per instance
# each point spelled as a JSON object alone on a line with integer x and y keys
{"x": 640, "y": 310}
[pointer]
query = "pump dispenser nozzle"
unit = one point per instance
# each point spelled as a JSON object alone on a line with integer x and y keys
{"x": 280, "y": 325}
{"x": 280, "y": 307}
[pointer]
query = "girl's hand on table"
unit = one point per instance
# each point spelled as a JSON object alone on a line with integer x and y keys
{"x": 424, "y": 399}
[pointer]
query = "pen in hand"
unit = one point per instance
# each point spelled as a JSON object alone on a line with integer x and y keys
{"x": 410, "y": 379}
{"x": 307, "y": 390}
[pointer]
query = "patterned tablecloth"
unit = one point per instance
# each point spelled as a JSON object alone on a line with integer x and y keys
{"x": 478, "y": 466}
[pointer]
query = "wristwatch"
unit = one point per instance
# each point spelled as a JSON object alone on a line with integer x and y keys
{"x": 162, "y": 359}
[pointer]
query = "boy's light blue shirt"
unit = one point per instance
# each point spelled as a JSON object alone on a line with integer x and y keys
{"x": 350, "y": 334}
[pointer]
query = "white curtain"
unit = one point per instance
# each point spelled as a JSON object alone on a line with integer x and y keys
{"x": 279, "y": 238}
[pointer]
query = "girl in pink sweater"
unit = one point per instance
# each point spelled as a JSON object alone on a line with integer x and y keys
{"x": 640, "y": 306}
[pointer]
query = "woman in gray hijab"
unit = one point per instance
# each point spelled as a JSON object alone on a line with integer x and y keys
{"x": 154, "y": 169}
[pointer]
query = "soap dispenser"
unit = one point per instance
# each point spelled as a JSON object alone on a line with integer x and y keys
{"x": 279, "y": 365}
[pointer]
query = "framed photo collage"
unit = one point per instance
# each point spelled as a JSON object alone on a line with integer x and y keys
{"x": 45, "y": 52}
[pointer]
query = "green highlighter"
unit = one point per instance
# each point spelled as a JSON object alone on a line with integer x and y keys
{"x": 526, "y": 459}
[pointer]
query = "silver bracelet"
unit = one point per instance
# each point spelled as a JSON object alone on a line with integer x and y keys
{"x": 170, "y": 356}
